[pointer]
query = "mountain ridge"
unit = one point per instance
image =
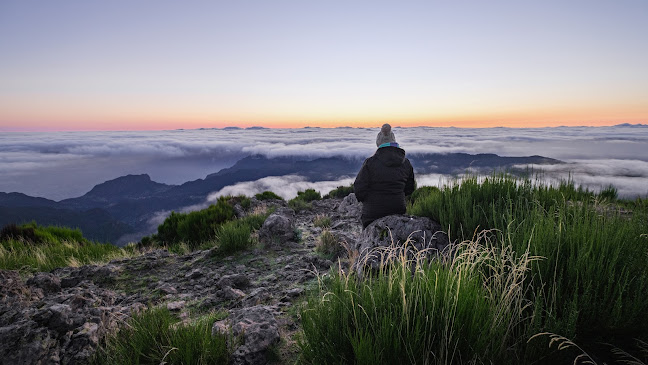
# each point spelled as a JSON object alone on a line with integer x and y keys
{"x": 133, "y": 200}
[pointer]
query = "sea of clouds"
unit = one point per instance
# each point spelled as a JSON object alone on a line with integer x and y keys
{"x": 59, "y": 165}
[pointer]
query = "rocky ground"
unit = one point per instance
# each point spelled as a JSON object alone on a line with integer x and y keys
{"x": 61, "y": 317}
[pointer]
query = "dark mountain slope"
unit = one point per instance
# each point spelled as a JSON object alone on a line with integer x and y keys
{"x": 22, "y": 200}
{"x": 96, "y": 224}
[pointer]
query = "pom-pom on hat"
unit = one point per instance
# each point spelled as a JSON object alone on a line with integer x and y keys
{"x": 385, "y": 135}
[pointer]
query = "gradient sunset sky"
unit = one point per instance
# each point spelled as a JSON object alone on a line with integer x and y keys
{"x": 122, "y": 65}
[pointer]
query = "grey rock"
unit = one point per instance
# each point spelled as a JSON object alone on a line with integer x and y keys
{"x": 230, "y": 293}
{"x": 166, "y": 289}
{"x": 291, "y": 294}
{"x": 258, "y": 330}
{"x": 387, "y": 238}
{"x": 350, "y": 206}
{"x": 278, "y": 228}
{"x": 176, "y": 306}
{"x": 46, "y": 282}
{"x": 239, "y": 281}
{"x": 257, "y": 296}
{"x": 194, "y": 274}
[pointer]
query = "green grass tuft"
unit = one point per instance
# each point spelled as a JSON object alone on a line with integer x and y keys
{"x": 233, "y": 236}
{"x": 55, "y": 247}
{"x": 322, "y": 221}
{"x": 155, "y": 336}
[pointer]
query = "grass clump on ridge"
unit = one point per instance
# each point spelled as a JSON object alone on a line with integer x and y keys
{"x": 550, "y": 262}
{"x": 155, "y": 336}
{"x": 419, "y": 312}
{"x": 33, "y": 248}
{"x": 590, "y": 285}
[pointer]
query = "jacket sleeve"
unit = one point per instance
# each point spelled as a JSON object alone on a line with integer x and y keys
{"x": 410, "y": 185}
{"x": 361, "y": 184}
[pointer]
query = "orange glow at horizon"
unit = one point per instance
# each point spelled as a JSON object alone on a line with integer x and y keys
{"x": 174, "y": 119}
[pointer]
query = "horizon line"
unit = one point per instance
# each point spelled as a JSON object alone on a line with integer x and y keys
{"x": 261, "y": 127}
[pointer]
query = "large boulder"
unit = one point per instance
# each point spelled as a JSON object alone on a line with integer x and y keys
{"x": 258, "y": 330}
{"x": 350, "y": 206}
{"x": 390, "y": 237}
{"x": 279, "y": 227}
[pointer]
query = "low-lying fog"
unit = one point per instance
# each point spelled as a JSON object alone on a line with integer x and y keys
{"x": 68, "y": 164}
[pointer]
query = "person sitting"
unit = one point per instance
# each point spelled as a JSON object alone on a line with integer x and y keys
{"x": 384, "y": 179}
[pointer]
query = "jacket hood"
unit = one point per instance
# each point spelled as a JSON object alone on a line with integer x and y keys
{"x": 391, "y": 156}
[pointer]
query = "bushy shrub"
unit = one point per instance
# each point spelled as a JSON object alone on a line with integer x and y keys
{"x": 33, "y": 233}
{"x": 299, "y": 205}
{"x": 267, "y": 195}
{"x": 155, "y": 336}
{"x": 14, "y": 232}
{"x": 308, "y": 195}
{"x": 303, "y": 200}
{"x": 254, "y": 221}
{"x": 340, "y": 192}
{"x": 242, "y": 200}
{"x": 196, "y": 227}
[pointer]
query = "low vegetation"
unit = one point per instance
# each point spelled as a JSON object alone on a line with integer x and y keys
{"x": 267, "y": 195}
{"x": 156, "y": 336}
{"x": 328, "y": 244}
{"x": 538, "y": 264}
{"x": 339, "y": 192}
{"x": 322, "y": 221}
{"x": 436, "y": 313}
{"x": 303, "y": 199}
{"x": 215, "y": 226}
{"x": 33, "y": 248}
{"x": 194, "y": 228}
{"x": 539, "y": 274}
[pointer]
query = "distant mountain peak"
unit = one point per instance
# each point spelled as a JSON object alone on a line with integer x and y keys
{"x": 129, "y": 185}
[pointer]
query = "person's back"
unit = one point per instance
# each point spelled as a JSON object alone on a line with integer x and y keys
{"x": 384, "y": 180}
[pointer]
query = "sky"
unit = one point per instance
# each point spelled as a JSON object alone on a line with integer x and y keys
{"x": 161, "y": 65}
{"x": 59, "y": 165}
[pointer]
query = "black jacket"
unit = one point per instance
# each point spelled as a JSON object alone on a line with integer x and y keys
{"x": 383, "y": 182}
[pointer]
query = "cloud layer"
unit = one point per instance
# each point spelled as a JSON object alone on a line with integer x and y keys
{"x": 67, "y": 164}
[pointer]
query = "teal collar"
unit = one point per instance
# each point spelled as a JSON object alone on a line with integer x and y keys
{"x": 391, "y": 144}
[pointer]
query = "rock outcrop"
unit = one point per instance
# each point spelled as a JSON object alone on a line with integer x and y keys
{"x": 390, "y": 237}
{"x": 350, "y": 206}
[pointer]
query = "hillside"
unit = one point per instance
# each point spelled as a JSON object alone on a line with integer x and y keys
{"x": 543, "y": 270}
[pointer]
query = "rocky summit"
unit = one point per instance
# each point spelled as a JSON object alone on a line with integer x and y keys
{"x": 61, "y": 317}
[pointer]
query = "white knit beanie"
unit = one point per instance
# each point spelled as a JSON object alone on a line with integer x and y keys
{"x": 385, "y": 135}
